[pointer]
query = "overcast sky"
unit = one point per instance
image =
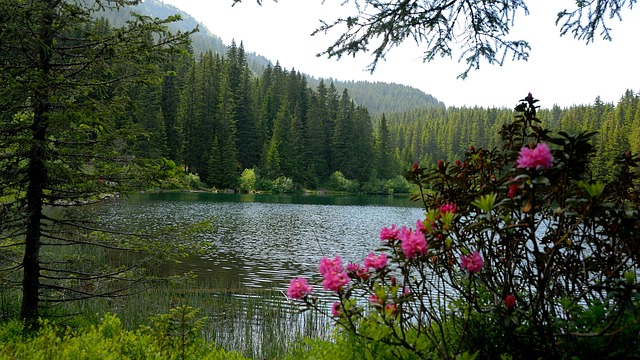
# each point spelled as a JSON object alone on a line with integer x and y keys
{"x": 560, "y": 70}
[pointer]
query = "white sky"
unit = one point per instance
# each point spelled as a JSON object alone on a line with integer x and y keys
{"x": 560, "y": 70}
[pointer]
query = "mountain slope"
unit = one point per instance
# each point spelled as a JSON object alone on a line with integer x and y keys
{"x": 378, "y": 97}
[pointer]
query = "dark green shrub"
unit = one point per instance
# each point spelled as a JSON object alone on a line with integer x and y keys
{"x": 521, "y": 254}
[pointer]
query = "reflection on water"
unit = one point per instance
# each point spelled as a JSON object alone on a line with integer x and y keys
{"x": 262, "y": 241}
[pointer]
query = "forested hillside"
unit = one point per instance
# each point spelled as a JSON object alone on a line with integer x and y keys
{"x": 378, "y": 97}
{"x": 215, "y": 115}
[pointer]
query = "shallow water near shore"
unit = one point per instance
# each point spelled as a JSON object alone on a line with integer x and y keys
{"x": 262, "y": 241}
{"x": 256, "y": 245}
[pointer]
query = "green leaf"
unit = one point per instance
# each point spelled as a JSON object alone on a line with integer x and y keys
{"x": 485, "y": 202}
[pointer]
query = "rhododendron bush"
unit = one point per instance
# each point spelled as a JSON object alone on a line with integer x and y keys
{"x": 519, "y": 253}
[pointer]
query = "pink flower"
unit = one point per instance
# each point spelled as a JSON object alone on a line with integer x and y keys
{"x": 538, "y": 158}
{"x": 363, "y": 274}
{"x": 356, "y": 270}
{"x": 472, "y": 262}
{"x": 298, "y": 288}
{"x": 335, "y": 309}
{"x": 420, "y": 226}
{"x": 510, "y": 302}
{"x": 334, "y": 281}
{"x": 413, "y": 243}
{"x": 390, "y": 309}
{"x": 334, "y": 276}
{"x": 376, "y": 262}
{"x": 448, "y": 208}
{"x": 353, "y": 267}
{"x": 389, "y": 234}
{"x": 327, "y": 264}
{"x": 375, "y": 300}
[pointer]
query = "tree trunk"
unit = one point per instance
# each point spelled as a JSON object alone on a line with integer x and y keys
{"x": 37, "y": 171}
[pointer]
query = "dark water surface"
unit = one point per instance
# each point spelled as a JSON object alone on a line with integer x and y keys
{"x": 262, "y": 241}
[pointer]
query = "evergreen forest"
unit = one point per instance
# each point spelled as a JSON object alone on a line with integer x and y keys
{"x": 214, "y": 116}
{"x": 220, "y": 111}
{"x": 528, "y": 247}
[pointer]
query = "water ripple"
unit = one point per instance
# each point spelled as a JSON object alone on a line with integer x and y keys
{"x": 258, "y": 244}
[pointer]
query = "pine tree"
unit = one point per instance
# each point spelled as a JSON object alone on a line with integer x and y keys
{"x": 384, "y": 150}
{"x": 172, "y": 82}
{"x": 363, "y": 157}
{"x": 148, "y": 117}
{"x": 188, "y": 115}
{"x": 316, "y": 141}
{"x": 64, "y": 81}
{"x": 227, "y": 134}
{"x": 248, "y": 139}
{"x": 344, "y": 133}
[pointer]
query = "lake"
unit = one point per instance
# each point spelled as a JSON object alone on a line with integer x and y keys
{"x": 261, "y": 241}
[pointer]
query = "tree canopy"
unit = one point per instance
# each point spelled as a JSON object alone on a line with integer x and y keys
{"x": 476, "y": 29}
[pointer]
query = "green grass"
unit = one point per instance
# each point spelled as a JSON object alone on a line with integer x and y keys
{"x": 257, "y": 324}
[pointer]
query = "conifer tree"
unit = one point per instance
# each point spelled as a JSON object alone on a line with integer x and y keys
{"x": 227, "y": 134}
{"x": 343, "y": 136}
{"x": 316, "y": 143}
{"x": 188, "y": 115}
{"x": 172, "y": 83}
{"x": 384, "y": 150}
{"x": 64, "y": 82}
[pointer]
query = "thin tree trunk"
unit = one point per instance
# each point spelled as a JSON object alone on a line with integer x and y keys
{"x": 37, "y": 172}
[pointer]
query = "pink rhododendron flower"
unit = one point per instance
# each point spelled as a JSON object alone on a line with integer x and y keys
{"x": 363, "y": 274}
{"x": 335, "y": 280}
{"x": 538, "y": 158}
{"x": 356, "y": 270}
{"x": 376, "y": 262}
{"x": 420, "y": 226}
{"x": 327, "y": 264}
{"x": 298, "y": 288}
{"x": 335, "y": 309}
{"x": 333, "y": 274}
{"x": 374, "y": 299}
{"x": 472, "y": 262}
{"x": 448, "y": 208}
{"x": 390, "y": 309}
{"x": 413, "y": 243}
{"x": 510, "y": 302}
{"x": 389, "y": 234}
{"x": 353, "y": 267}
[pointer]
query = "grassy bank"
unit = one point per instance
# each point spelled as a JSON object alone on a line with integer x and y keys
{"x": 254, "y": 324}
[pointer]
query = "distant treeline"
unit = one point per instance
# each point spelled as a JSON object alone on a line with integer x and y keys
{"x": 428, "y": 134}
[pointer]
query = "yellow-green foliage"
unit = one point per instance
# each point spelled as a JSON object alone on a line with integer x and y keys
{"x": 104, "y": 341}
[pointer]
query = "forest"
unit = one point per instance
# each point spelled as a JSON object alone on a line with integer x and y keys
{"x": 216, "y": 118}
{"x": 220, "y": 111}
{"x": 529, "y": 239}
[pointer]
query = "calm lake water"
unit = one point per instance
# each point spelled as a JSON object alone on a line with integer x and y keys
{"x": 262, "y": 241}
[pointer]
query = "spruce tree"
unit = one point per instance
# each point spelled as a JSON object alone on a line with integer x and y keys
{"x": 65, "y": 79}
